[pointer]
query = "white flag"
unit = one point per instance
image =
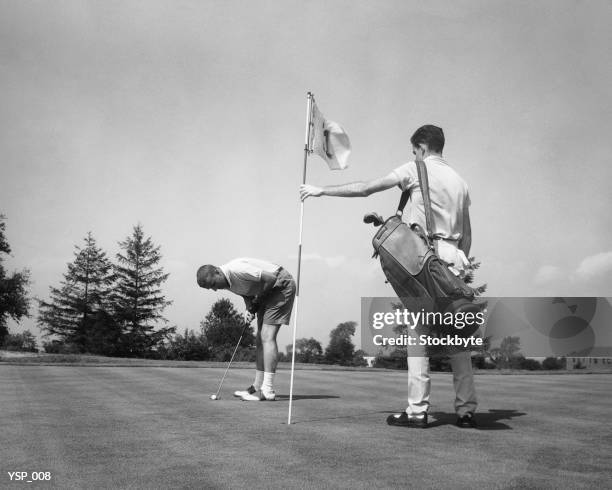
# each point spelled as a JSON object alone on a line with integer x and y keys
{"x": 329, "y": 140}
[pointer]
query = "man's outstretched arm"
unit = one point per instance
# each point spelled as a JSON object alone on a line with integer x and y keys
{"x": 353, "y": 189}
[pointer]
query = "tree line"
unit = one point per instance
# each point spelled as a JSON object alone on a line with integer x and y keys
{"x": 340, "y": 349}
{"x": 14, "y": 298}
{"x": 115, "y": 308}
{"x": 506, "y": 356}
{"x": 108, "y": 307}
{"x": 99, "y": 306}
{"x": 221, "y": 329}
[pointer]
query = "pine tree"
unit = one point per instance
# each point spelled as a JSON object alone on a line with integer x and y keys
{"x": 14, "y": 301}
{"x": 137, "y": 299}
{"x": 82, "y": 299}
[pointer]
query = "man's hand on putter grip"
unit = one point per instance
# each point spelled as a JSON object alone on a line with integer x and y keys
{"x": 252, "y": 305}
{"x": 307, "y": 190}
{"x": 248, "y": 317}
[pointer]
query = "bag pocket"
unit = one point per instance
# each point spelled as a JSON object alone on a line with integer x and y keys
{"x": 445, "y": 283}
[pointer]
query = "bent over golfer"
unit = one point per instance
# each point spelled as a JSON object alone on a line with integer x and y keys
{"x": 268, "y": 291}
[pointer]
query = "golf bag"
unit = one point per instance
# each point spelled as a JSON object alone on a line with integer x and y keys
{"x": 418, "y": 276}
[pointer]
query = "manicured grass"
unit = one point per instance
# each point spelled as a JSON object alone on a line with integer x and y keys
{"x": 155, "y": 427}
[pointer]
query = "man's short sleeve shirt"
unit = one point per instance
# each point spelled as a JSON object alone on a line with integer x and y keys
{"x": 244, "y": 275}
{"x": 449, "y": 196}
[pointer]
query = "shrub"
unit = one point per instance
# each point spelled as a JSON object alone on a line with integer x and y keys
{"x": 58, "y": 347}
{"x": 390, "y": 362}
{"x": 553, "y": 363}
{"x": 440, "y": 364}
{"x": 530, "y": 364}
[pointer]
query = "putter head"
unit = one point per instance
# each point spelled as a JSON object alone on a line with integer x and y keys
{"x": 374, "y": 218}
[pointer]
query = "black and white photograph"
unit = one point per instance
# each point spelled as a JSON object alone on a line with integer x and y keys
{"x": 326, "y": 244}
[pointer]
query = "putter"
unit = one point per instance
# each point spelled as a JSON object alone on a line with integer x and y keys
{"x": 216, "y": 395}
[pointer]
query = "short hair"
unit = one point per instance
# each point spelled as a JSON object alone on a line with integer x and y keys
{"x": 432, "y": 136}
{"x": 204, "y": 273}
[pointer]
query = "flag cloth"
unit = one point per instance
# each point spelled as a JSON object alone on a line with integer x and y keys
{"x": 329, "y": 140}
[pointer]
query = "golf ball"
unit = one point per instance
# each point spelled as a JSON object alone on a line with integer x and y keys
{"x": 213, "y": 397}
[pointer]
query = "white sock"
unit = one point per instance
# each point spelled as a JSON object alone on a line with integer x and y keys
{"x": 259, "y": 377}
{"x": 415, "y": 415}
{"x": 268, "y": 382}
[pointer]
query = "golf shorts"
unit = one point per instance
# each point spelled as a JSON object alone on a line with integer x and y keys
{"x": 277, "y": 306}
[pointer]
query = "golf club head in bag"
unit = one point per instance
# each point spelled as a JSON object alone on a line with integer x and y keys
{"x": 374, "y": 218}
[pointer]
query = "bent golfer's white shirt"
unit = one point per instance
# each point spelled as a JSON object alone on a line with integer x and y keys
{"x": 450, "y": 203}
{"x": 244, "y": 275}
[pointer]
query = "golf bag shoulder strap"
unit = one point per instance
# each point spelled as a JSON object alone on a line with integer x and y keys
{"x": 424, "y": 186}
{"x": 402, "y": 204}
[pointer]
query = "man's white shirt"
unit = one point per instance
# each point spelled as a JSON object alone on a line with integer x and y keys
{"x": 244, "y": 274}
{"x": 450, "y": 201}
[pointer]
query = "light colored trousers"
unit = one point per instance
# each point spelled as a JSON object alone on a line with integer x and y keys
{"x": 419, "y": 384}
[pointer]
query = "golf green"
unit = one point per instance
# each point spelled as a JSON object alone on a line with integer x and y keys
{"x": 156, "y": 427}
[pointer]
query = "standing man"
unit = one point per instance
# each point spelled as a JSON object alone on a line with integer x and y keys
{"x": 450, "y": 202}
{"x": 268, "y": 291}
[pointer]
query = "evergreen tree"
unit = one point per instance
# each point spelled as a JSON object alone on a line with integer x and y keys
{"x": 137, "y": 299}
{"x": 14, "y": 301}
{"x": 78, "y": 305}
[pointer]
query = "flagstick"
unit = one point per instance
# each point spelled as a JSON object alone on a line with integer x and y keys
{"x": 299, "y": 264}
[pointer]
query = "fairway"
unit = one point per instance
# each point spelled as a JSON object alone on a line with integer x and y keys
{"x": 139, "y": 427}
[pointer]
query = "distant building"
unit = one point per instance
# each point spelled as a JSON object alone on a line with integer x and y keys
{"x": 370, "y": 360}
{"x": 590, "y": 363}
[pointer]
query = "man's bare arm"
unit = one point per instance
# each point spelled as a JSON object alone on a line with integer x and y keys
{"x": 353, "y": 189}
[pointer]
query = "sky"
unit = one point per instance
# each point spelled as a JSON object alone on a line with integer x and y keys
{"x": 188, "y": 117}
